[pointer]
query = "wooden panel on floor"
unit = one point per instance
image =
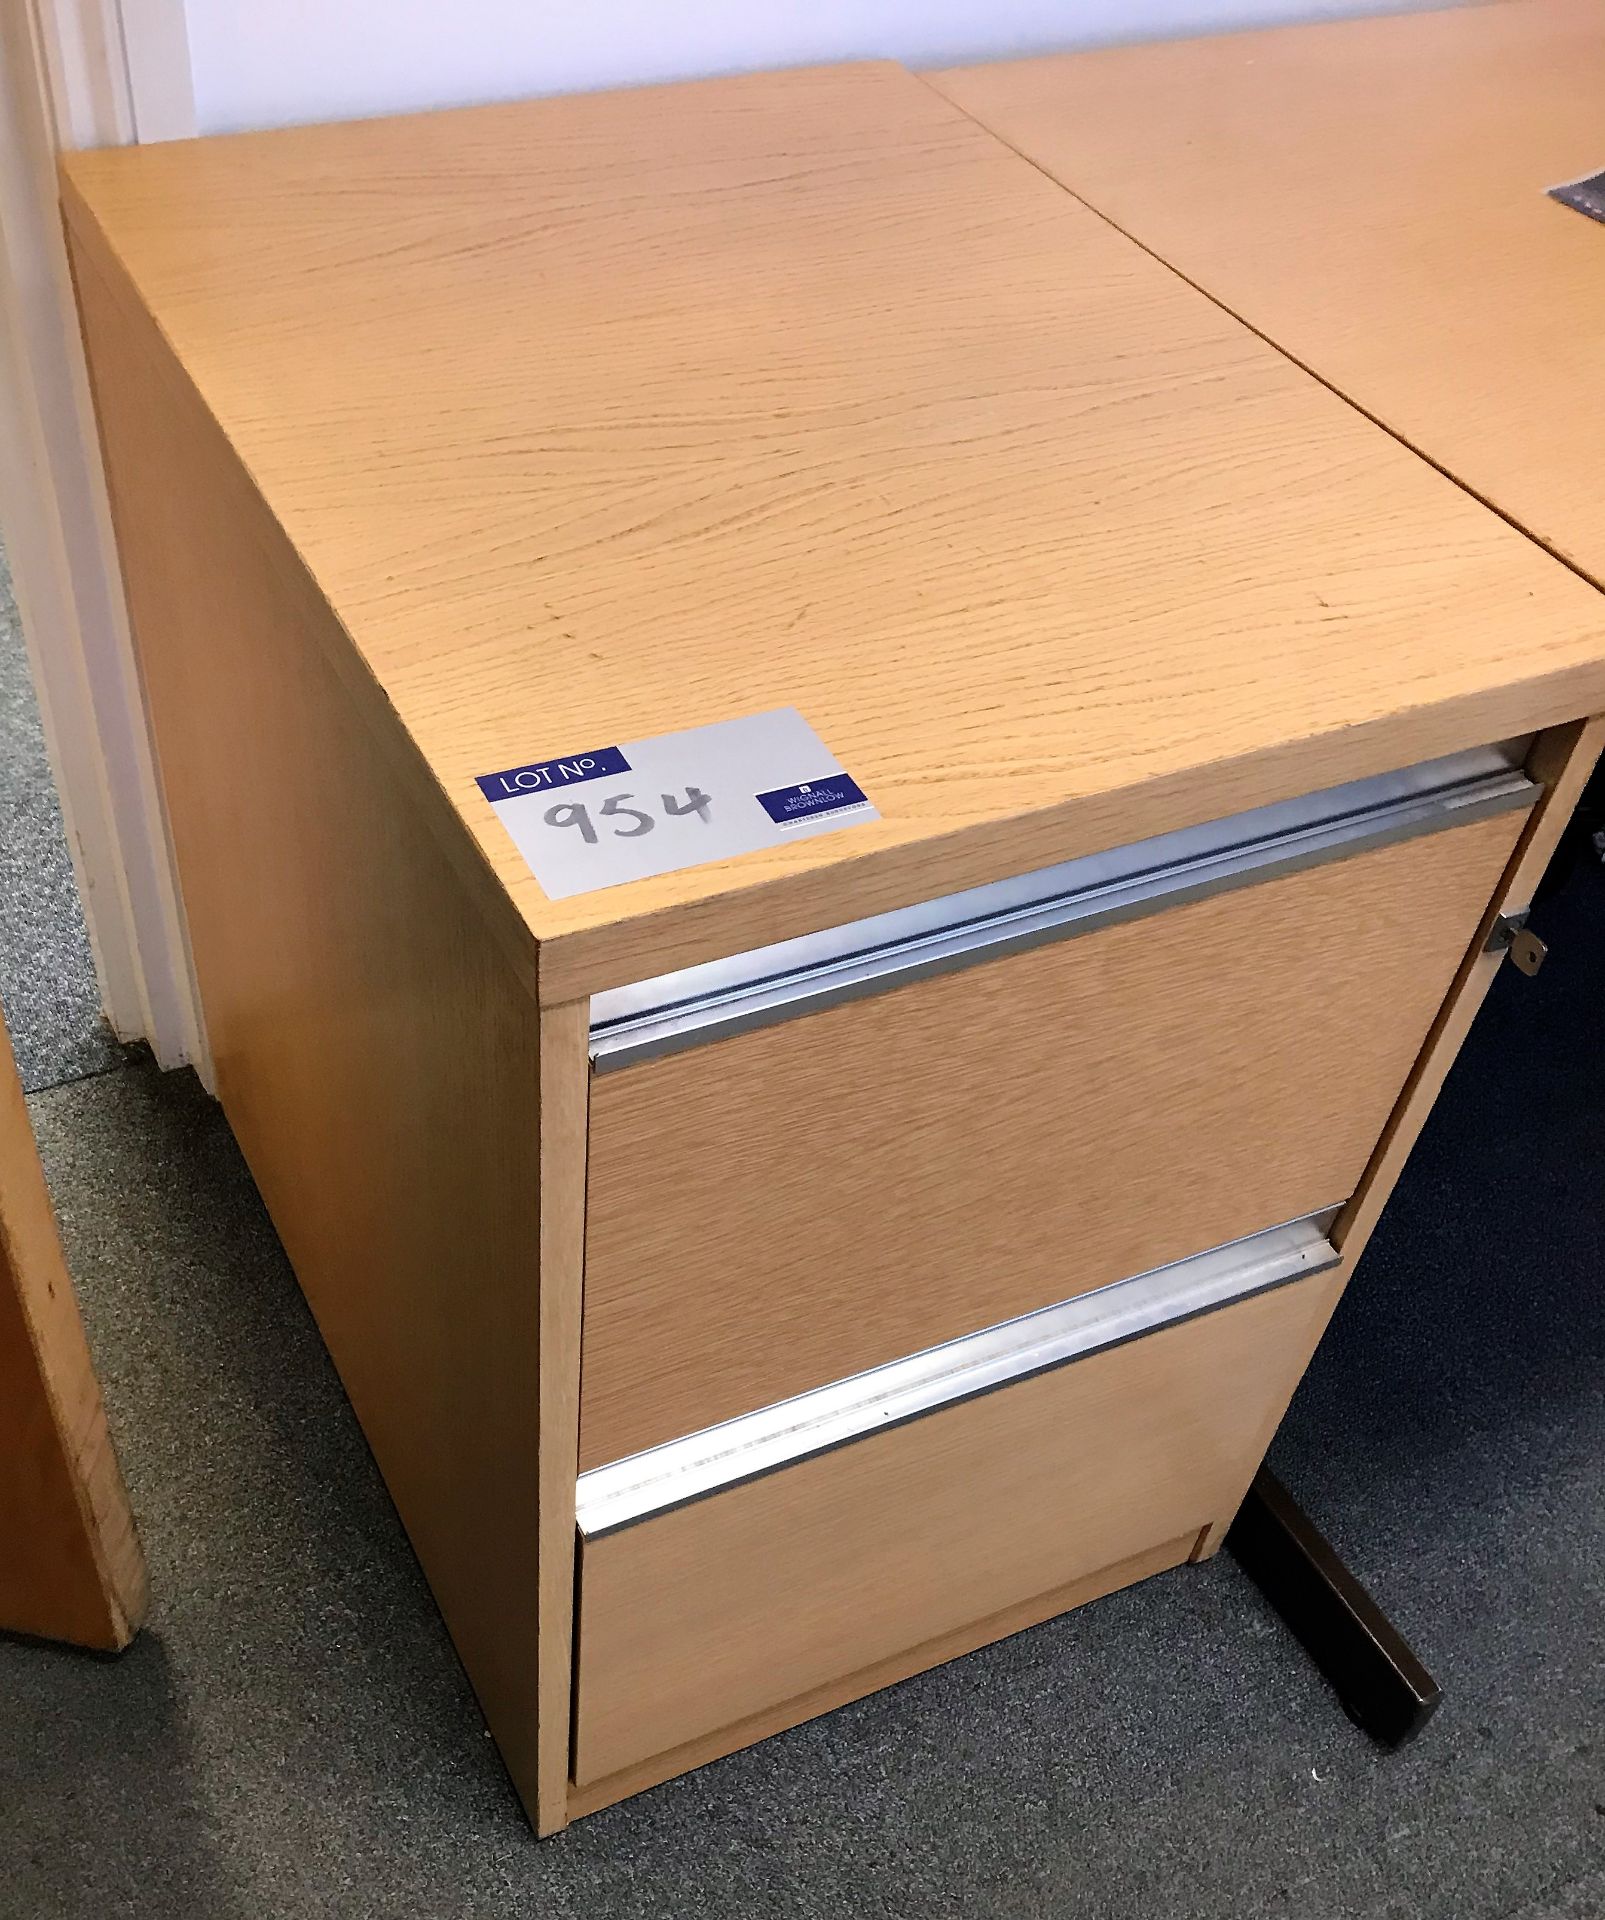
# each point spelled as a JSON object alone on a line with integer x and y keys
{"x": 70, "y": 1563}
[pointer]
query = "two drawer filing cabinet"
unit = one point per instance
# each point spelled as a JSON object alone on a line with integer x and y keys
{"x": 767, "y": 1272}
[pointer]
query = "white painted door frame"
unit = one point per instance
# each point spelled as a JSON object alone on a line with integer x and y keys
{"x": 84, "y": 73}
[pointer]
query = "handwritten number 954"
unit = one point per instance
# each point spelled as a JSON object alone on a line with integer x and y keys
{"x": 573, "y": 813}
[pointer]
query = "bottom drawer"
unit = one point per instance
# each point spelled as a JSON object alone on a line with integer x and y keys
{"x": 695, "y": 1617}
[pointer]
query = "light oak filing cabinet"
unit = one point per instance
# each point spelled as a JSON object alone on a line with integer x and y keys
{"x": 767, "y": 1276}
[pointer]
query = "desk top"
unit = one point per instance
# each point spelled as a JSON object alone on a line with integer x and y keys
{"x": 607, "y": 416}
{"x": 1370, "y": 194}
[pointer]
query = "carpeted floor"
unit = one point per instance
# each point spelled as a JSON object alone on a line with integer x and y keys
{"x": 47, "y": 975}
{"x": 293, "y": 1737}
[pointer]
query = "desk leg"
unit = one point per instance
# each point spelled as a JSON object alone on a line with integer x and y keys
{"x": 1383, "y": 1687}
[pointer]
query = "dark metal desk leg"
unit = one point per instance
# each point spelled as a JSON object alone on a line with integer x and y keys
{"x": 1383, "y": 1687}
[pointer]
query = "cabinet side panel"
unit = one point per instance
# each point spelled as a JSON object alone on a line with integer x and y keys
{"x": 376, "y": 1048}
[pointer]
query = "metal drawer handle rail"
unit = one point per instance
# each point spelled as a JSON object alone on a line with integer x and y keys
{"x": 721, "y": 998}
{"x": 663, "y": 1478}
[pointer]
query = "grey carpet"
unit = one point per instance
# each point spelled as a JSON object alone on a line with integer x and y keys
{"x": 294, "y": 1737}
{"x": 47, "y": 973}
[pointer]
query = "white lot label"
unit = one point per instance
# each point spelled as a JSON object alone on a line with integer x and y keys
{"x": 612, "y": 814}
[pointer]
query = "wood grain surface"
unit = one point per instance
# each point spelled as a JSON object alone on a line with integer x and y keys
{"x": 782, "y": 1209}
{"x": 834, "y": 1693}
{"x": 1370, "y": 194}
{"x": 70, "y": 1562}
{"x": 376, "y": 1048}
{"x": 711, "y": 1613}
{"x": 602, "y": 416}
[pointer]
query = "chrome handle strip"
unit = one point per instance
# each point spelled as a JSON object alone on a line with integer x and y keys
{"x": 722, "y": 998}
{"x": 657, "y": 1481}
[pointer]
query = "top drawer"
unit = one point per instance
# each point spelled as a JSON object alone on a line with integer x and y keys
{"x": 800, "y": 1201}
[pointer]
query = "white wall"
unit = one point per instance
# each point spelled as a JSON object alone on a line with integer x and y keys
{"x": 264, "y": 63}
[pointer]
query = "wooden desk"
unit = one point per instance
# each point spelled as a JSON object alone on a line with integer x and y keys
{"x": 1370, "y": 195}
{"x": 459, "y": 443}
